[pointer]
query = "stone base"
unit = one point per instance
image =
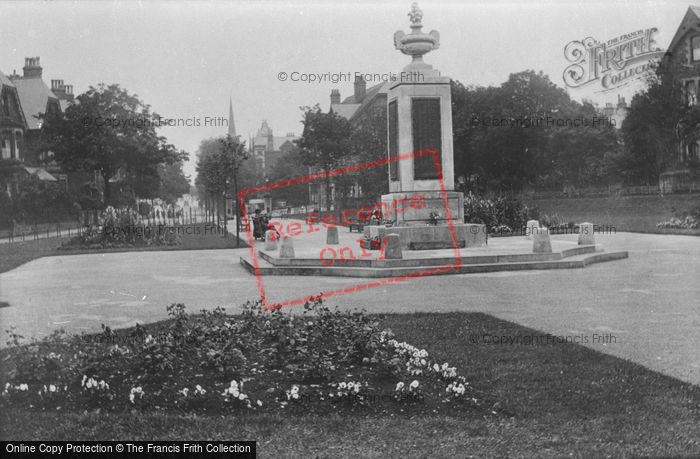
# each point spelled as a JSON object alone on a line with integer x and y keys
{"x": 432, "y": 237}
{"x": 431, "y": 201}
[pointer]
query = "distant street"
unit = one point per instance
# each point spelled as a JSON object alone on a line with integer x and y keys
{"x": 647, "y": 302}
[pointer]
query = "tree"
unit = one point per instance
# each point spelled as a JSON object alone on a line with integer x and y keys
{"x": 289, "y": 167}
{"x": 325, "y": 142}
{"x": 219, "y": 165}
{"x": 173, "y": 182}
{"x": 369, "y": 143}
{"x": 522, "y": 134}
{"x": 110, "y": 131}
{"x": 658, "y": 120}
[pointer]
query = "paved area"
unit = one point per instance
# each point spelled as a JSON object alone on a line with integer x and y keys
{"x": 648, "y": 302}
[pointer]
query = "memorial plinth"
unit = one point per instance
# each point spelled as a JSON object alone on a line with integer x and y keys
{"x": 432, "y": 237}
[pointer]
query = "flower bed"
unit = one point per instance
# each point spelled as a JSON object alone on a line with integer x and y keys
{"x": 322, "y": 361}
{"x": 122, "y": 229}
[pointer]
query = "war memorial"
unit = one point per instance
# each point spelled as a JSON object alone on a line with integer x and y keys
{"x": 425, "y": 233}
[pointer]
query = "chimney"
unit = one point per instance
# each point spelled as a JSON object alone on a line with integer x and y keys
{"x": 32, "y": 67}
{"x": 335, "y": 96}
{"x": 360, "y": 89}
{"x": 69, "y": 92}
{"x": 58, "y": 88}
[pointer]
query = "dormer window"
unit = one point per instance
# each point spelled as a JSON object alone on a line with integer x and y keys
{"x": 695, "y": 48}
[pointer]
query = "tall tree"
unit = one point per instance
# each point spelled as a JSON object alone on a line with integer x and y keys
{"x": 325, "y": 143}
{"x": 369, "y": 143}
{"x": 219, "y": 165}
{"x": 658, "y": 120}
{"x": 110, "y": 131}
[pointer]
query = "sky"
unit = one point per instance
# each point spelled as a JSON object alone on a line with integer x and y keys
{"x": 186, "y": 59}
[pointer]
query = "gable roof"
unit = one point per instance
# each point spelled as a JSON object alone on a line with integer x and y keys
{"x": 690, "y": 21}
{"x": 5, "y": 80}
{"x": 350, "y": 109}
{"x": 33, "y": 96}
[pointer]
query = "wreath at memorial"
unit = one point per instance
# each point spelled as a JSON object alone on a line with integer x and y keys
{"x": 374, "y": 243}
{"x": 434, "y": 217}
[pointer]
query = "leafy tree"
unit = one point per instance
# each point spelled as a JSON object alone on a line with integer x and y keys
{"x": 325, "y": 142}
{"x": 289, "y": 167}
{"x": 369, "y": 143}
{"x": 219, "y": 167}
{"x": 110, "y": 131}
{"x": 173, "y": 182}
{"x": 521, "y": 134}
{"x": 657, "y": 121}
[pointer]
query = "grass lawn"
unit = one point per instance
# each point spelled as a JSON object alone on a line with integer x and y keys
{"x": 17, "y": 253}
{"x": 550, "y": 400}
{"x": 625, "y": 213}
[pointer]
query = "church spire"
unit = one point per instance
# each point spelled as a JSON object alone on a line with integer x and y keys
{"x": 231, "y": 125}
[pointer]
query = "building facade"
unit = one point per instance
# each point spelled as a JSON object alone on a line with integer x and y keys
{"x": 25, "y": 100}
{"x": 683, "y": 55}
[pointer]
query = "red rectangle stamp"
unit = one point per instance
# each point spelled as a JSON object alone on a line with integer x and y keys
{"x": 328, "y": 256}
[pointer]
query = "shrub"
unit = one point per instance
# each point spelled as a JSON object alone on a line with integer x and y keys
{"x": 505, "y": 212}
{"x": 217, "y": 363}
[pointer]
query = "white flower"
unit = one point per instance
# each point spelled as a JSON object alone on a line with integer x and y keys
{"x": 342, "y": 385}
{"x": 242, "y": 397}
{"x": 83, "y": 381}
{"x": 52, "y": 388}
{"x": 184, "y": 391}
{"x": 436, "y": 367}
{"x": 414, "y": 384}
{"x": 399, "y": 386}
{"x": 23, "y": 387}
{"x": 259, "y": 403}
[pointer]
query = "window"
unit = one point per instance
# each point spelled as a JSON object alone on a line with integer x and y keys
{"x": 695, "y": 49}
{"x": 691, "y": 93}
{"x": 6, "y": 104}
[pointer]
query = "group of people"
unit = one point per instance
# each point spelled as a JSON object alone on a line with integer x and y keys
{"x": 261, "y": 222}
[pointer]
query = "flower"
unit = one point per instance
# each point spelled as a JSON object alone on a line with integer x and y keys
{"x": 399, "y": 386}
{"x": 414, "y": 384}
{"x": 134, "y": 392}
{"x": 23, "y": 387}
{"x": 52, "y": 388}
{"x": 184, "y": 391}
{"x": 259, "y": 403}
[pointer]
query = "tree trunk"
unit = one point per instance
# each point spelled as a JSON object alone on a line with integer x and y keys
{"x": 238, "y": 209}
{"x": 107, "y": 197}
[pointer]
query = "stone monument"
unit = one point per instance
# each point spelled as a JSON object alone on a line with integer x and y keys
{"x": 420, "y": 119}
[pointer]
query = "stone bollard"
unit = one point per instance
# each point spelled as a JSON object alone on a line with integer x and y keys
{"x": 585, "y": 234}
{"x": 392, "y": 251}
{"x": 270, "y": 240}
{"x": 530, "y": 228}
{"x": 332, "y": 235}
{"x": 287, "y": 247}
{"x": 541, "y": 242}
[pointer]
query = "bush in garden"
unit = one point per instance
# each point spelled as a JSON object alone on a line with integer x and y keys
{"x": 499, "y": 215}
